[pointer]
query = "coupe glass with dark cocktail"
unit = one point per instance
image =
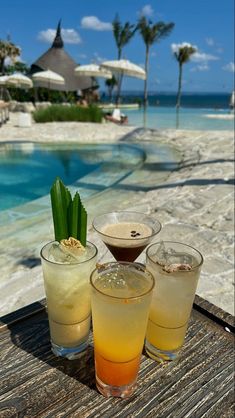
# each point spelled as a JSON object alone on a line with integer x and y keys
{"x": 126, "y": 234}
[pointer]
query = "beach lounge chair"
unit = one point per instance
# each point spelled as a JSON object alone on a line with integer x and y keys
{"x": 116, "y": 117}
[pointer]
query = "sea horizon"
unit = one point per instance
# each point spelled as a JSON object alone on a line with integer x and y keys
{"x": 168, "y": 99}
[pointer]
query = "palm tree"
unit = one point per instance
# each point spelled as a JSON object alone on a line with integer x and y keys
{"x": 111, "y": 83}
{"x": 183, "y": 55}
{"x": 8, "y": 49}
{"x": 151, "y": 33}
{"x": 122, "y": 35}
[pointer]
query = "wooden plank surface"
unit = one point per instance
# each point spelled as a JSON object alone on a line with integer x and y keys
{"x": 34, "y": 383}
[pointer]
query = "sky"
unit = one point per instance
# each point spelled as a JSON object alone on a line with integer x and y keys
{"x": 87, "y": 33}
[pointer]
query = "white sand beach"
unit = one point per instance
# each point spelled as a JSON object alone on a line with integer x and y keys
{"x": 229, "y": 116}
{"x": 195, "y": 204}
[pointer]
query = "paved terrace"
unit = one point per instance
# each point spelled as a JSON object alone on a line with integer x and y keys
{"x": 193, "y": 200}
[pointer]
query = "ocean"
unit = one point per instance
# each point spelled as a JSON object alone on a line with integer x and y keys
{"x": 198, "y": 111}
{"x": 189, "y": 100}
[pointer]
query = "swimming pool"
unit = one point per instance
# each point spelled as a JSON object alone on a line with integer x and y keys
{"x": 27, "y": 170}
{"x": 187, "y": 118}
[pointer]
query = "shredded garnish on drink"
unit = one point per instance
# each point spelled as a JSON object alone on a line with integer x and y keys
{"x": 177, "y": 267}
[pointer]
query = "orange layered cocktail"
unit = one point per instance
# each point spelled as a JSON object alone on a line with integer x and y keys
{"x": 121, "y": 295}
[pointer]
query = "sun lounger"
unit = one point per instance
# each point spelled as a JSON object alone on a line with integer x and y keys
{"x": 116, "y": 117}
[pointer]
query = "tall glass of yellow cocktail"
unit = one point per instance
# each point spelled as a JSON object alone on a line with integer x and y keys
{"x": 176, "y": 269}
{"x": 66, "y": 280}
{"x": 120, "y": 297}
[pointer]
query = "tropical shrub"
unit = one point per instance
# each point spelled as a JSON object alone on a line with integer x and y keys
{"x": 60, "y": 113}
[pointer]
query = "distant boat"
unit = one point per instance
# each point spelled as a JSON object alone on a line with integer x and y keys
{"x": 232, "y": 100}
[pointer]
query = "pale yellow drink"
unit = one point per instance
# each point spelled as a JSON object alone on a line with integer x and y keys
{"x": 173, "y": 297}
{"x": 121, "y": 295}
{"x": 67, "y": 290}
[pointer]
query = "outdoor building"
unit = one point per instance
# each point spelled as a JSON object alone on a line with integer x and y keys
{"x": 58, "y": 60}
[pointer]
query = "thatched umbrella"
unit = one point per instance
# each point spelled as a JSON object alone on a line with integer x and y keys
{"x": 59, "y": 61}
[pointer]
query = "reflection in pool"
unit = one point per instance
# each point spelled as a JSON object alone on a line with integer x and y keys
{"x": 27, "y": 170}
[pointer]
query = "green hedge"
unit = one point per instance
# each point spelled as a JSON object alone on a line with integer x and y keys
{"x": 58, "y": 113}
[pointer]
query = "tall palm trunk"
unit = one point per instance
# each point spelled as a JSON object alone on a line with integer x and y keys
{"x": 179, "y": 85}
{"x": 119, "y": 80}
{"x": 2, "y": 65}
{"x": 146, "y": 80}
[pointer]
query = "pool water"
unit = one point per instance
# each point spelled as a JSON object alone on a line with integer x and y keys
{"x": 186, "y": 118}
{"x": 27, "y": 170}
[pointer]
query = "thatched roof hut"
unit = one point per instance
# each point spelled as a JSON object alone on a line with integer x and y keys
{"x": 58, "y": 60}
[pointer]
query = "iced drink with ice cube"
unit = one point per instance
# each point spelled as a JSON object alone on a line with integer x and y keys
{"x": 66, "y": 280}
{"x": 120, "y": 296}
{"x": 176, "y": 269}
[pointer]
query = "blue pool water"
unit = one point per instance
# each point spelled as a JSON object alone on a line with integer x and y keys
{"x": 187, "y": 118}
{"x": 28, "y": 170}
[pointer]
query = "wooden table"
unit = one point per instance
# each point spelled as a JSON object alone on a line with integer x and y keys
{"x": 35, "y": 383}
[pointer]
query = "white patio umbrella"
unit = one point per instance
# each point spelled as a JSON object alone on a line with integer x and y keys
{"x": 92, "y": 70}
{"x": 124, "y": 67}
{"x": 19, "y": 80}
{"x": 48, "y": 79}
{"x": 3, "y": 80}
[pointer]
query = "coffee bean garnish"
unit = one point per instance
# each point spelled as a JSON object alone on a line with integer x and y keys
{"x": 134, "y": 234}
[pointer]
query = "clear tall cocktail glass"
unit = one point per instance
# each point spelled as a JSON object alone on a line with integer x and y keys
{"x": 126, "y": 234}
{"x": 176, "y": 269}
{"x": 67, "y": 288}
{"x": 120, "y": 299}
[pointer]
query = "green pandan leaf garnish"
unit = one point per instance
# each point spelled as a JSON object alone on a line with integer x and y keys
{"x": 69, "y": 215}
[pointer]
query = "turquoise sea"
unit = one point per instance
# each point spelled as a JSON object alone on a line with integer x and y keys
{"x": 203, "y": 111}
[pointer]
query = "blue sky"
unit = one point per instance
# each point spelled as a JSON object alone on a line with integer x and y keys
{"x": 206, "y": 24}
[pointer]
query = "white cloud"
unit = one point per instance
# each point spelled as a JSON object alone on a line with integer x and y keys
{"x": 156, "y": 81}
{"x": 82, "y": 56}
{"x": 147, "y": 11}
{"x": 202, "y": 57}
{"x": 94, "y": 23}
{"x": 201, "y": 67}
{"x": 229, "y": 67}
{"x": 47, "y": 35}
{"x": 98, "y": 59}
{"x": 210, "y": 41}
{"x": 176, "y": 47}
{"x": 69, "y": 36}
{"x": 8, "y": 61}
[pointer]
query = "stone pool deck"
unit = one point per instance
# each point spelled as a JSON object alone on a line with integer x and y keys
{"x": 194, "y": 202}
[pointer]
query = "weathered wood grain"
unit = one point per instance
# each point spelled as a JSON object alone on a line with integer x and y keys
{"x": 214, "y": 312}
{"x": 34, "y": 383}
